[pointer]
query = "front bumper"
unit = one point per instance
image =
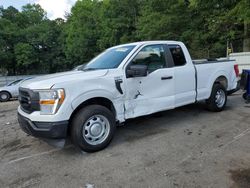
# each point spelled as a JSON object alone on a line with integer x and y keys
{"x": 43, "y": 129}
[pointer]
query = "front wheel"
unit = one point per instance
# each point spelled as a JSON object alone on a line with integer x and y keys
{"x": 218, "y": 98}
{"x": 4, "y": 96}
{"x": 93, "y": 128}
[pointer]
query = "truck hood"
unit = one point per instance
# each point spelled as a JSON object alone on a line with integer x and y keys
{"x": 48, "y": 81}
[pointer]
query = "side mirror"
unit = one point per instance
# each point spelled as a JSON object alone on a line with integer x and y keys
{"x": 137, "y": 71}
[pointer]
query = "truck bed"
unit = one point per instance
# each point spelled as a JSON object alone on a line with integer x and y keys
{"x": 210, "y": 69}
{"x": 205, "y": 61}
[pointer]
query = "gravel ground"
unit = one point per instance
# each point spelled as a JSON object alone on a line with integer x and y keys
{"x": 185, "y": 147}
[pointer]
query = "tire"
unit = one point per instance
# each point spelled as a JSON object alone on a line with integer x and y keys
{"x": 4, "y": 96}
{"x": 218, "y": 98}
{"x": 93, "y": 128}
{"x": 244, "y": 96}
{"x": 244, "y": 80}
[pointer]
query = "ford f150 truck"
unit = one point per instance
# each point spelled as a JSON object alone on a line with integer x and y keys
{"x": 123, "y": 82}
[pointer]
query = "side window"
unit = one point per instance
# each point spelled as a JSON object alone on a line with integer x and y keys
{"x": 152, "y": 56}
{"x": 178, "y": 55}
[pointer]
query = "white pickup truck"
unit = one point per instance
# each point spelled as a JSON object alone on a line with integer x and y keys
{"x": 123, "y": 82}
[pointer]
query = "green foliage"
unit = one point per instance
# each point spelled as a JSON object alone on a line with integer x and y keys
{"x": 162, "y": 20}
{"x": 24, "y": 54}
{"x": 31, "y": 43}
{"x": 118, "y": 22}
{"x": 82, "y": 32}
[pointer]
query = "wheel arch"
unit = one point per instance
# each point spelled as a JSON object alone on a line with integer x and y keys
{"x": 222, "y": 80}
{"x": 103, "y": 101}
{"x": 219, "y": 79}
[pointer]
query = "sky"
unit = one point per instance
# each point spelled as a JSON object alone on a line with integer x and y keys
{"x": 54, "y": 8}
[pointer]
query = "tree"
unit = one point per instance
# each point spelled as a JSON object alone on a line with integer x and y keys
{"x": 25, "y": 56}
{"x": 165, "y": 20}
{"x": 44, "y": 38}
{"x": 241, "y": 15}
{"x": 118, "y": 22}
{"x": 33, "y": 14}
{"x": 96, "y": 25}
{"x": 8, "y": 37}
{"x": 82, "y": 32}
{"x": 30, "y": 42}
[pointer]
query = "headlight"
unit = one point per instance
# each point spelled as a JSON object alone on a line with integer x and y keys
{"x": 50, "y": 100}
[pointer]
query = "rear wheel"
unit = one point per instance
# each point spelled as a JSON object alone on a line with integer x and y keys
{"x": 244, "y": 96}
{"x": 93, "y": 128}
{"x": 218, "y": 98}
{"x": 4, "y": 96}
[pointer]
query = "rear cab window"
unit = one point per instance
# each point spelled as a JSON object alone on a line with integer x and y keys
{"x": 177, "y": 55}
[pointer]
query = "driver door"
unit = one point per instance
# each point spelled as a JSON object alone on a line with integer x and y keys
{"x": 154, "y": 92}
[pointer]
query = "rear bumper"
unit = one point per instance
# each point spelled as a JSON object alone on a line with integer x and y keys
{"x": 234, "y": 90}
{"x": 43, "y": 129}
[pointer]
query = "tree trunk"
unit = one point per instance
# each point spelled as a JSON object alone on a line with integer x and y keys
{"x": 246, "y": 40}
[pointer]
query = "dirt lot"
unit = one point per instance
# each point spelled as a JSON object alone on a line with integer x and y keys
{"x": 186, "y": 147}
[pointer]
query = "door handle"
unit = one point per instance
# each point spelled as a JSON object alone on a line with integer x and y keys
{"x": 166, "y": 77}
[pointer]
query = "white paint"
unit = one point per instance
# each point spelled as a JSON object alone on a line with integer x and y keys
{"x": 208, "y": 73}
{"x": 156, "y": 94}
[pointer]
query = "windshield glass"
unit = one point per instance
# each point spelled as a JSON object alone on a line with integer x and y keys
{"x": 110, "y": 58}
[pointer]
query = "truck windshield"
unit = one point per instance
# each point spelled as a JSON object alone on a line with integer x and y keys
{"x": 110, "y": 58}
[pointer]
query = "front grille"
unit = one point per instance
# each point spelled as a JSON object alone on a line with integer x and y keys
{"x": 29, "y": 100}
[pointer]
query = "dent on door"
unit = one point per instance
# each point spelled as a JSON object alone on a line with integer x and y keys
{"x": 133, "y": 93}
{"x": 149, "y": 94}
{"x": 154, "y": 92}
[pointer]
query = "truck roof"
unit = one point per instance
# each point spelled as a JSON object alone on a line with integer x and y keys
{"x": 150, "y": 42}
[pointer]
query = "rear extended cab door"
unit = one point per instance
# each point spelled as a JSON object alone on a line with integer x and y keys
{"x": 184, "y": 74}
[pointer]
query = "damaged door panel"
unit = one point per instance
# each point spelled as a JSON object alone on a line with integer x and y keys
{"x": 152, "y": 92}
